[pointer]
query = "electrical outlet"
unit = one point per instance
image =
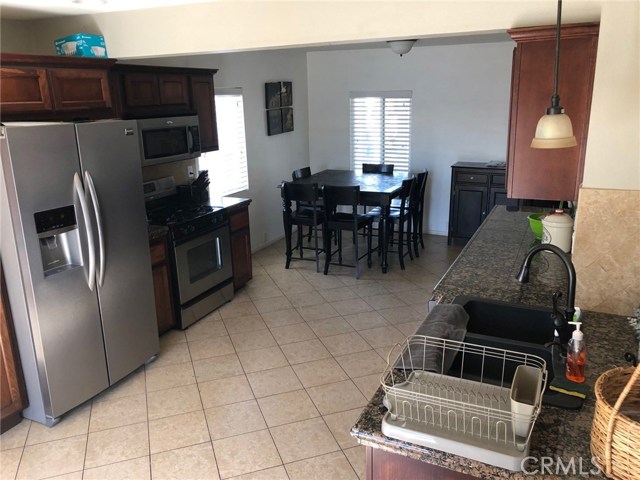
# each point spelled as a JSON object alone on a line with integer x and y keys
{"x": 190, "y": 171}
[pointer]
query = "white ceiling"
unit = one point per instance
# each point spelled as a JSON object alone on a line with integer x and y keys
{"x": 35, "y": 9}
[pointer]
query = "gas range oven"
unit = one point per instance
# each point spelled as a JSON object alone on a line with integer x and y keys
{"x": 201, "y": 254}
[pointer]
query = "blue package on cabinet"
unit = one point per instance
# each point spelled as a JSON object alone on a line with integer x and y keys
{"x": 81, "y": 45}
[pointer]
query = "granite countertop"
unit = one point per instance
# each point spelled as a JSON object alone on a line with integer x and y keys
{"x": 486, "y": 268}
{"x": 229, "y": 202}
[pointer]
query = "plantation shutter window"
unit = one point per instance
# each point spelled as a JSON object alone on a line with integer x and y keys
{"x": 381, "y": 128}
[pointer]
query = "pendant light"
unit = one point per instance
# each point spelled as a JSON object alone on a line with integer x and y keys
{"x": 554, "y": 129}
{"x": 401, "y": 47}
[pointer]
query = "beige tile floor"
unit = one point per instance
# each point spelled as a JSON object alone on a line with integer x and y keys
{"x": 266, "y": 387}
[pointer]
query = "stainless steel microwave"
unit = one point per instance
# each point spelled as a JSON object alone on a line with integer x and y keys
{"x": 169, "y": 139}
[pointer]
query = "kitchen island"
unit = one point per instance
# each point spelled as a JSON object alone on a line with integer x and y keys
{"x": 487, "y": 267}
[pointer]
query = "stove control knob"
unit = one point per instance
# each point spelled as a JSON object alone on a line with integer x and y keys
{"x": 191, "y": 228}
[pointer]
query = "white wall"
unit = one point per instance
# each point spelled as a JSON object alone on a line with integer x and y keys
{"x": 460, "y": 108}
{"x": 270, "y": 159}
{"x": 17, "y": 37}
{"x": 613, "y": 149}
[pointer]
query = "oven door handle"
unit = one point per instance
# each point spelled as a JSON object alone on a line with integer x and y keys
{"x": 219, "y": 252}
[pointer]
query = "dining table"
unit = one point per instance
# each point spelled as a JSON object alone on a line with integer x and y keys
{"x": 376, "y": 189}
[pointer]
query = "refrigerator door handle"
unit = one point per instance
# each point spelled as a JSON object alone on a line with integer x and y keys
{"x": 96, "y": 208}
{"x": 77, "y": 185}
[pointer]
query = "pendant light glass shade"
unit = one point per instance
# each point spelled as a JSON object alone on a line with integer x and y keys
{"x": 554, "y": 131}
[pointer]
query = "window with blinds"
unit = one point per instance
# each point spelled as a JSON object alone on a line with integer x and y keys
{"x": 228, "y": 166}
{"x": 381, "y": 128}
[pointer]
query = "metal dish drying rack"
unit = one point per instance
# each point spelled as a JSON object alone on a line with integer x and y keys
{"x": 469, "y": 400}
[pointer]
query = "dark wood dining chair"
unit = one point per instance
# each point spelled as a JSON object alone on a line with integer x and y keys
{"x": 402, "y": 217}
{"x": 301, "y": 173}
{"x": 312, "y": 217}
{"x": 384, "y": 168}
{"x": 416, "y": 209}
{"x": 337, "y": 221}
{"x": 419, "y": 215}
{"x": 305, "y": 172}
{"x": 381, "y": 168}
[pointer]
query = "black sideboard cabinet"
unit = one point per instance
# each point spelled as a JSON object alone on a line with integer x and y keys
{"x": 475, "y": 189}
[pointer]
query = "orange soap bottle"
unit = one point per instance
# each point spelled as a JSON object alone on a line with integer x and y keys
{"x": 576, "y": 355}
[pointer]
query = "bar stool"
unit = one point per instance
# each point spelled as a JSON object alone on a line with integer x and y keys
{"x": 336, "y": 222}
{"x": 311, "y": 217}
{"x": 304, "y": 173}
{"x": 401, "y": 216}
{"x": 416, "y": 209}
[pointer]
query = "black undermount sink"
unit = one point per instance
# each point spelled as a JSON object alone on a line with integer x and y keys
{"x": 516, "y": 327}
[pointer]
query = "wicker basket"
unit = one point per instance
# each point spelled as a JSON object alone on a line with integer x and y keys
{"x": 615, "y": 433}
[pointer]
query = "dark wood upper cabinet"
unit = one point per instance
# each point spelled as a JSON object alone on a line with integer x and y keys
{"x": 24, "y": 89}
{"x": 174, "y": 90}
{"x": 549, "y": 174}
{"x": 39, "y": 87}
{"x": 148, "y": 91}
{"x": 45, "y": 87}
{"x": 155, "y": 90}
{"x": 204, "y": 103}
{"x": 140, "y": 90}
{"x": 78, "y": 90}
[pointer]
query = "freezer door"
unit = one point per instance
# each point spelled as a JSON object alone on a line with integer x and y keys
{"x": 60, "y": 331}
{"x": 110, "y": 160}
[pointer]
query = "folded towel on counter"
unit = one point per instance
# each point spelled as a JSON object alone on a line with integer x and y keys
{"x": 446, "y": 321}
{"x": 563, "y": 385}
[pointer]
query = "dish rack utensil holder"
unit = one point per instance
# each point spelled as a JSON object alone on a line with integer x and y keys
{"x": 461, "y": 398}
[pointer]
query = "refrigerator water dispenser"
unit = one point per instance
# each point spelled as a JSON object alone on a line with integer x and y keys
{"x": 59, "y": 239}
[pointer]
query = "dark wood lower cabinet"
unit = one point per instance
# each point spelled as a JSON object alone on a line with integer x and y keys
{"x": 13, "y": 398}
{"x": 162, "y": 285}
{"x": 382, "y": 465}
{"x": 240, "y": 245}
{"x": 475, "y": 189}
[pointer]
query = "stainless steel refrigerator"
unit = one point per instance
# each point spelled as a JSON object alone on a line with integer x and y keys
{"x": 76, "y": 258}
